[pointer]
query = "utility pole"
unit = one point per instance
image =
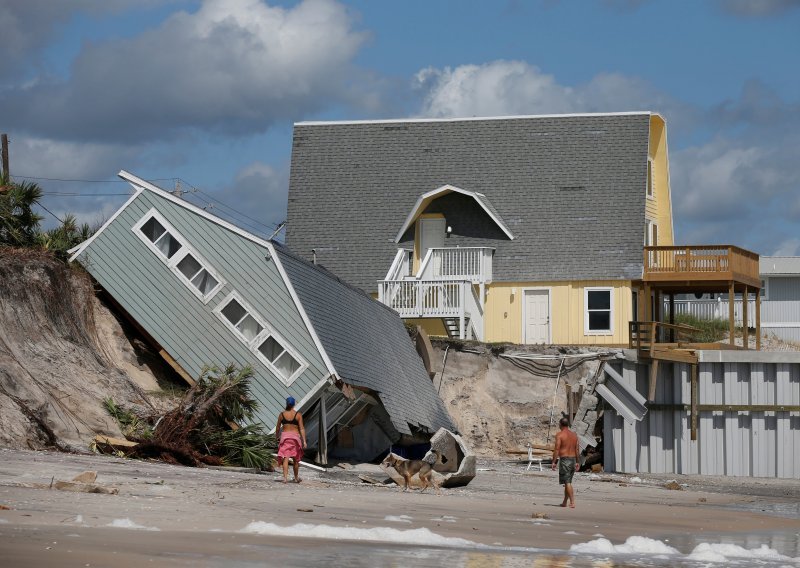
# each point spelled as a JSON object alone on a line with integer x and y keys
{"x": 4, "y": 141}
{"x": 4, "y": 158}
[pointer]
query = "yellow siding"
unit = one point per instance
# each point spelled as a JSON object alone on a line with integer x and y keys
{"x": 659, "y": 209}
{"x": 432, "y": 326}
{"x": 504, "y": 312}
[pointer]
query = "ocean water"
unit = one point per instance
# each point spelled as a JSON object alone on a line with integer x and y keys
{"x": 385, "y": 546}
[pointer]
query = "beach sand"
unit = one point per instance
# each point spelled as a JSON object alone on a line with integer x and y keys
{"x": 169, "y": 515}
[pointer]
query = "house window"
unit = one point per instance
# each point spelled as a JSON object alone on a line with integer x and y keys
{"x": 599, "y": 308}
{"x": 179, "y": 257}
{"x": 166, "y": 244}
{"x": 763, "y": 291}
{"x": 650, "y": 233}
{"x": 268, "y": 346}
{"x": 651, "y": 191}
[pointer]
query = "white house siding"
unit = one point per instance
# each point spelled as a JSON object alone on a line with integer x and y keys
{"x": 178, "y": 320}
{"x": 750, "y": 444}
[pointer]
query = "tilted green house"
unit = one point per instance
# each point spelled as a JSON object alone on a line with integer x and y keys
{"x": 208, "y": 292}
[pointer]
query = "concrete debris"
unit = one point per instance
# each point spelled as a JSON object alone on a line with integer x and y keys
{"x": 85, "y": 477}
{"x": 84, "y": 487}
{"x": 673, "y": 485}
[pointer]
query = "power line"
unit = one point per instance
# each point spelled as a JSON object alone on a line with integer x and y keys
{"x": 59, "y": 219}
{"x": 87, "y": 180}
{"x": 270, "y": 226}
{"x": 75, "y": 194}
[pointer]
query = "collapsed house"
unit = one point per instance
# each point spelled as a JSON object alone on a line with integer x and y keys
{"x": 204, "y": 291}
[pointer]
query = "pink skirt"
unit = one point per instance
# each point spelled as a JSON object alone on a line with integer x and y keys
{"x": 291, "y": 446}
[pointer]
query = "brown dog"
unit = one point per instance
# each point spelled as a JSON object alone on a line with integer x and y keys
{"x": 407, "y": 469}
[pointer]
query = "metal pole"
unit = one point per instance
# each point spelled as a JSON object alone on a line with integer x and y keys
{"x": 555, "y": 394}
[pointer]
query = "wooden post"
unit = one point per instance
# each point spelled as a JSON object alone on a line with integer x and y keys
{"x": 322, "y": 450}
{"x": 758, "y": 320}
{"x": 647, "y": 304}
{"x": 731, "y": 313}
{"x": 745, "y": 323}
{"x": 693, "y": 417}
{"x": 651, "y": 393}
{"x": 4, "y": 153}
{"x": 672, "y": 316}
{"x": 570, "y": 409}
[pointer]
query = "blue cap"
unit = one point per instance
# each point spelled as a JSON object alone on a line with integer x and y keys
{"x": 290, "y": 401}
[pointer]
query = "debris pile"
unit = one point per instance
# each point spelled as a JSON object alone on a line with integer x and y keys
{"x": 204, "y": 428}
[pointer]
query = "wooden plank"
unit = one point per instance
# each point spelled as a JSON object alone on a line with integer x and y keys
{"x": 731, "y": 314}
{"x": 745, "y": 323}
{"x": 177, "y": 367}
{"x": 758, "y": 320}
{"x": 728, "y": 407}
{"x": 651, "y": 393}
{"x": 694, "y": 402}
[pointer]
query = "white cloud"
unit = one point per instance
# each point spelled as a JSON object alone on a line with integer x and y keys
{"x": 757, "y": 8}
{"x": 789, "y": 247}
{"x": 517, "y": 88}
{"x": 233, "y": 65}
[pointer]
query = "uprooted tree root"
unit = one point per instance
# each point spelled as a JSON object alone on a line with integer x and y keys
{"x": 202, "y": 429}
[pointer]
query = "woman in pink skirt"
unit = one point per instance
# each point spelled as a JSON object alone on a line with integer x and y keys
{"x": 292, "y": 439}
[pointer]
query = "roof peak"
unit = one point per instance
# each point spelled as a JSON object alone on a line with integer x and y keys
{"x": 473, "y": 118}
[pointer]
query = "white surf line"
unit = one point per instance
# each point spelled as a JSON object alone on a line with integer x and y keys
{"x": 703, "y": 552}
{"x": 129, "y": 524}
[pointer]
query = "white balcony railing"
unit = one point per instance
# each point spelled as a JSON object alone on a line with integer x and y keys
{"x": 401, "y": 265}
{"x": 423, "y": 298}
{"x": 462, "y": 263}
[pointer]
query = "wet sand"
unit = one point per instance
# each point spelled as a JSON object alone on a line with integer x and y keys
{"x": 199, "y": 514}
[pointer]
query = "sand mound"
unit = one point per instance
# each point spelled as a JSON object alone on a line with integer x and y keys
{"x": 61, "y": 354}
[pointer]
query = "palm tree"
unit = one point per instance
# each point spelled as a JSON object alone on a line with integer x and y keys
{"x": 64, "y": 237}
{"x": 19, "y": 224}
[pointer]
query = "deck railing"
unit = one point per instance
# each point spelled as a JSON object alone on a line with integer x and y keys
{"x": 643, "y": 334}
{"x": 401, "y": 265}
{"x": 703, "y": 261}
{"x": 460, "y": 263}
{"x": 424, "y": 298}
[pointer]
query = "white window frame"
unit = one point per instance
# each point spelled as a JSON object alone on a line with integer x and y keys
{"x": 649, "y": 225}
{"x": 765, "y": 289}
{"x": 186, "y": 249}
{"x": 267, "y": 331}
{"x": 650, "y": 182}
{"x": 586, "y": 329}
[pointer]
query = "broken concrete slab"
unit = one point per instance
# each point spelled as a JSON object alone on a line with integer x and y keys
{"x": 85, "y": 477}
{"x": 84, "y": 487}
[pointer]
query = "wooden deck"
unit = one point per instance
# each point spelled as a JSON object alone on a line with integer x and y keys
{"x": 699, "y": 267}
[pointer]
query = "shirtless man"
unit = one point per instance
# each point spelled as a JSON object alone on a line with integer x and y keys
{"x": 566, "y": 452}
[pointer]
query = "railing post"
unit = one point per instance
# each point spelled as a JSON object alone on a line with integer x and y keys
{"x": 461, "y": 330}
{"x": 420, "y": 297}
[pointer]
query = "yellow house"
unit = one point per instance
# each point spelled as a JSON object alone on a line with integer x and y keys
{"x": 523, "y": 229}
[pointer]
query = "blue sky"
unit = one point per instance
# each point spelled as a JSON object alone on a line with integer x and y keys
{"x": 207, "y": 91}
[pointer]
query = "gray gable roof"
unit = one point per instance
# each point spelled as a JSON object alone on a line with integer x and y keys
{"x": 571, "y": 188}
{"x": 367, "y": 344}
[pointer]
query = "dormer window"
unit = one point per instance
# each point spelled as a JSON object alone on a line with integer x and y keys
{"x": 651, "y": 190}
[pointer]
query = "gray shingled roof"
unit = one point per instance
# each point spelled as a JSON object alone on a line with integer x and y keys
{"x": 367, "y": 344}
{"x": 570, "y": 188}
{"x": 779, "y": 265}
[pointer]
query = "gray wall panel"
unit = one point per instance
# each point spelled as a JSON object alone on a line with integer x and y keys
{"x": 733, "y": 443}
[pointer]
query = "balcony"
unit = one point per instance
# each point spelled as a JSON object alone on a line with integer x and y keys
{"x": 696, "y": 269}
{"x": 700, "y": 265}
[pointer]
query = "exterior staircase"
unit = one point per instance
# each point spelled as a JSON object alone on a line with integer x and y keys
{"x": 451, "y": 325}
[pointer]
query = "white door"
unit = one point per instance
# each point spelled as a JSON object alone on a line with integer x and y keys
{"x": 537, "y": 316}
{"x": 431, "y": 235}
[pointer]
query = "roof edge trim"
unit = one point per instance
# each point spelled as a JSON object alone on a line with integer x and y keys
{"x": 471, "y": 118}
{"x": 77, "y": 250}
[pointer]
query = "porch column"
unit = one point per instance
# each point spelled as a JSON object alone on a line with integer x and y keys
{"x": 731, "y": 313}
{"x": 745, "y": 323}
{"x": 672, "y": 316}
{"x": 758, "y": 319}
{"x": 648, "y": 316}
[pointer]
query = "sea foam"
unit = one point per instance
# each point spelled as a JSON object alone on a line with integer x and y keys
{"x": 420, "y": 536}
